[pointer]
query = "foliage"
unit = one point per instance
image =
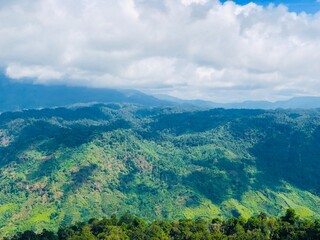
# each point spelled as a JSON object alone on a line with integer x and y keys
{"x": 130, "y": 227}
{"x": 66, "y": 165}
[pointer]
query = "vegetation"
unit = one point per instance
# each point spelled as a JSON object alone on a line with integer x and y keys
{"x": 259, "y": 227}
{"x": 67, "y": 165}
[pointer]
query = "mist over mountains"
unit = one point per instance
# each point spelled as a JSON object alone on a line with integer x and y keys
{"x": 17, "y": 96}
{"x": 308, "y": 102}
{"x": 160, "y": 120}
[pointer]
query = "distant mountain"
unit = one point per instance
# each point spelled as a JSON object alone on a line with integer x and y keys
{"x": 18, "y": 96}
{"x": 293, "y": 103}
{"x": 190, "y": 103}
{"x": 299, "y": 102}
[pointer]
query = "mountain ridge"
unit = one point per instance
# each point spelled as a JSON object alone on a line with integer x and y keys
{"x": 19, "y": 95}
{"x": 304, "y": 102}
{"x": 64, "y": 165}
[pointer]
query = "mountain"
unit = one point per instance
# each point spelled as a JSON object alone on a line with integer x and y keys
{"x": 293, "y": 103}
{"x": 64, "y": 165}
{"x": 18, "y": 96}
{"x": 299, "y": 102}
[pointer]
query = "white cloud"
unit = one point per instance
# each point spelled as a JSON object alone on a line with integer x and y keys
{"x": 189, "y": 2}
{"x": 40, "y": 73}
{"x": 188, "y": 48}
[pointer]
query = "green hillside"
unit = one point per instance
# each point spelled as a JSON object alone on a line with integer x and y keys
{"x": 61, "y": 166}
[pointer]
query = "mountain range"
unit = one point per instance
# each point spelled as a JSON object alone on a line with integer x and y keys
{"x": 60, "y": 166}
{"x": 18, "y": 96}
{"x": 307, "y": 102}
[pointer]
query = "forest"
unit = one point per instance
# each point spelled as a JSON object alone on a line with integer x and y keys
{"x": 287, "y": 227}
{"x": 61, "y": 166}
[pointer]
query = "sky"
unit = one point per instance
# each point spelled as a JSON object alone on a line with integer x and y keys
{"x": 308, "y": 6}
{"x": 192, "y": 49}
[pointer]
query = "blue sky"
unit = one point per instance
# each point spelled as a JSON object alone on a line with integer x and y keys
{"x": 309, "y": 6}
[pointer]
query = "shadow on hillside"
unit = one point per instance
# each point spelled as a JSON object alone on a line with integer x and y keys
{"x": 290, "y": 155}
{"x": 47, "y": 137}
{"x": 228, "y": 180}
{"x": 192, "y": 122}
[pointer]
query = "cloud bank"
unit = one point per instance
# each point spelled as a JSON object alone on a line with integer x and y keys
{"x": 186, "y": 48}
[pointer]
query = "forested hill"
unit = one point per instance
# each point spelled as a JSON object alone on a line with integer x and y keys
{"x": 64, "y": 165}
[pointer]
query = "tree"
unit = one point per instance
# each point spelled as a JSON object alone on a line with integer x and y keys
{"x": 47, "y": 235}
{"x": 85, "y": 235}
{"x": 290, "y": 216}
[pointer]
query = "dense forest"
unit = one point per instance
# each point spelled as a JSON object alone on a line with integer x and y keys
{"x": 61, "y": 166}
{"x": 261, "y": 227}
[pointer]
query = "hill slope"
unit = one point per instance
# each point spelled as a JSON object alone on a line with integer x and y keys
{"x": 60, "y": 166}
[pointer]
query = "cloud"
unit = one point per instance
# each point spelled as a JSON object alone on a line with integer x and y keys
{"x": 186, "y": 48}
{"x": 189, "y": 2}
{"x": 34, "y": 72}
